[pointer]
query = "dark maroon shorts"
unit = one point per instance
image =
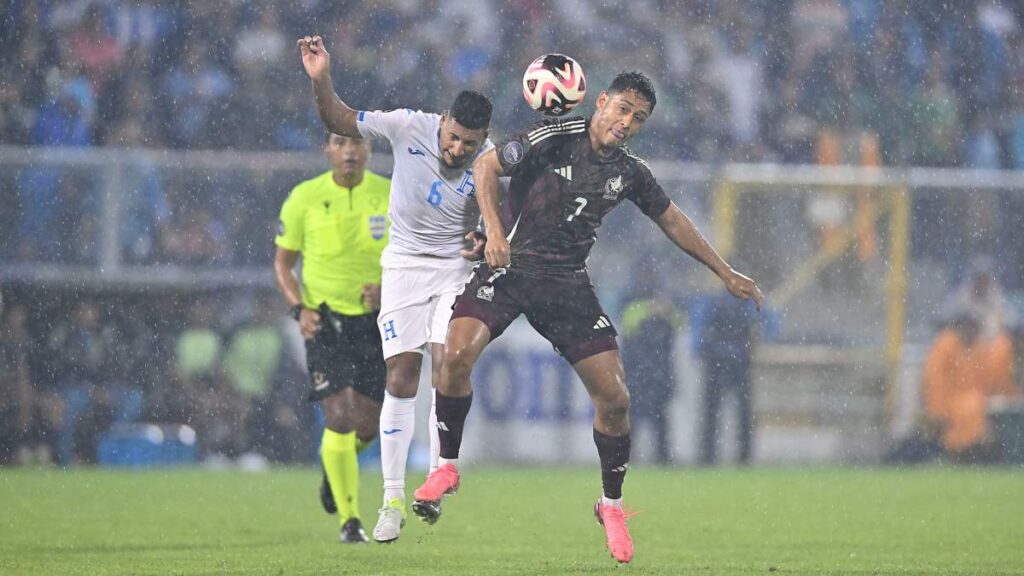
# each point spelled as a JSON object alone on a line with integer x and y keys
{"x": 563, "y": 309}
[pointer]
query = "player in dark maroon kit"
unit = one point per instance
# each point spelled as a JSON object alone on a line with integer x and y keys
{"x": 565, "y": 176}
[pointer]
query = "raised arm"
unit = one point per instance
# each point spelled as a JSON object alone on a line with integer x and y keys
{"x": 486, "y": 171}
{"x": 336, "y": 115}
{"x": 680, "y": 229}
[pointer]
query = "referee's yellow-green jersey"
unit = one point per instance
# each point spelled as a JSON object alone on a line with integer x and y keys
{"x": 341, "y": 233}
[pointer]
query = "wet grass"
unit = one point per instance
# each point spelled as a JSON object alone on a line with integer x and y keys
{"x": 767, "y": 521}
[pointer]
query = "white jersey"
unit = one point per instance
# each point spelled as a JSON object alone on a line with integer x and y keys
{"x": 432, "y": 206}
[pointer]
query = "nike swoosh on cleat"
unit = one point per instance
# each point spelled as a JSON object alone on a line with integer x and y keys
{"x": 392, "y": 431}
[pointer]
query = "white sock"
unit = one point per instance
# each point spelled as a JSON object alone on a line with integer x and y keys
{"x": 613, "y": 502}
{"x": 397, "y": 421}
{"x": 452, "y": 461}
{"x": 435, "y": 437}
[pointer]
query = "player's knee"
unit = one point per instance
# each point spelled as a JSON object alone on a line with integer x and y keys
{"x": 337, "y": 417}
{"x": 614, "y": 404}
{"x": 367, "y": 430}
{"x": 455, "y": 371}
{"x": 402, "y": 379}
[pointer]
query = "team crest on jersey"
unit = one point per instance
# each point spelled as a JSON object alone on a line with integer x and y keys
{"x": 613, "y": 187}
{"x": 513, "y": 152}
{"x": 378, "y": 227}
{"x": 486, "y": 293}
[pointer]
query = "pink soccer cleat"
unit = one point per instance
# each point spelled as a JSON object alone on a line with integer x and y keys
{"x": 620, "y": 543}
{"x": 440, "y": 483}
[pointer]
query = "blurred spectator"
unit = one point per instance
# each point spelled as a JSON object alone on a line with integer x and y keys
{"x": 260, "y": 46}
{"x": 934, "y": 113}
{"x": 95, "y": 49}
{"x": 649, "y": 326}
{"x": 980, "y": 297}
{"x": 194, "y": 236}
{"x": 16, "y": 117}
{"x": 144, "y": 211}
{"x": 68, "y": 116}
{"x": 962, "y": 372}
{"x": 79, "y": 353}
{"x": 723, "y": 331}
{"x": 198, "y": 393}
{"x": 17, "y": 394}
{"x": 58, "y": 214}
{"x": 140, "y": 27}
{"x": 737, "y": 71}
{"x": 195, "y": 89}
{"x": 259, "y": 370}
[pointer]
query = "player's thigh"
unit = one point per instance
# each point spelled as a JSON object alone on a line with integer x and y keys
{"x": 447, "y": 284}
{"x": 441, "y": 317}
{"x": 602, "y": 374}
{"x": 404, "y": 329}
{"x": 567, "y": 313}
{"x": 405, "y": 309}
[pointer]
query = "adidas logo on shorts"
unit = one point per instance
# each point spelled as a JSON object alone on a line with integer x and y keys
{"x": 602, "y": 322}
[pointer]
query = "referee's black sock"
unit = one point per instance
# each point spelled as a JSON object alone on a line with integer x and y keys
{"x": 451, "y": 417}
{"x": 614, "y": 454}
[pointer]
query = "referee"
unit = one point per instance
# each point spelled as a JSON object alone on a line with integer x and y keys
{"x": 338, "y": 223}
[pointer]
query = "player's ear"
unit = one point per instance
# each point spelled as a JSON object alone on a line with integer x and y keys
{"x": 602, "y": 99}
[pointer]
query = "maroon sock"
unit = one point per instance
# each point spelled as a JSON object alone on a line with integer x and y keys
{"x": 614, "y": 454}
{"x": 451, "y": 417}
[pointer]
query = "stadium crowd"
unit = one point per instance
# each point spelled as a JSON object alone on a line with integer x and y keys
{"x": 936, "y": 83}
{"x": 74, "y": 366}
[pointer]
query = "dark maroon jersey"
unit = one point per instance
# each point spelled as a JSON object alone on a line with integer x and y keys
{"x": 560, "y": 191}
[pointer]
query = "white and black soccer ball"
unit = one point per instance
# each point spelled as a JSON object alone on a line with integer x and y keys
{"x": 554, "y": 84}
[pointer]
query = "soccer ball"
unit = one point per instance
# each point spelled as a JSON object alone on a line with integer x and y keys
{"x": 554, "y": 84}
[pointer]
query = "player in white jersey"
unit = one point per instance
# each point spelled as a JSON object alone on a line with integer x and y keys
{"x": 433, "y": 204}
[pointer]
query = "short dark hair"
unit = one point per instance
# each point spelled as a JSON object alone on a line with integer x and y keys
{"x": 472, "y": 110}
{"x": 637, "y": 82}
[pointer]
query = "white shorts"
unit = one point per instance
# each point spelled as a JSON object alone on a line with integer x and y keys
{"x": 416, "y": 298}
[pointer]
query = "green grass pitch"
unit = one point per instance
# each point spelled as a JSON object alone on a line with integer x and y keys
{"x": 520, "y": 521}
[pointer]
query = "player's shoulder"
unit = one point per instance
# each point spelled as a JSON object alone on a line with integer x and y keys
{"x": 401, "y": 112}
{"x": 634, "y": 160}
{"x": 554, "y": 127}
{"x": 421, "y": 117}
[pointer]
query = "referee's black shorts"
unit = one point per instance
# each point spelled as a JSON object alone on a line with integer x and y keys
{"x": 346, "y": 352}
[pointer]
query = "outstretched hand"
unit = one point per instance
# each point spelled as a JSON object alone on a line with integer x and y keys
{"x": 315, "y": 58}
{"x": 743, "y": 287}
